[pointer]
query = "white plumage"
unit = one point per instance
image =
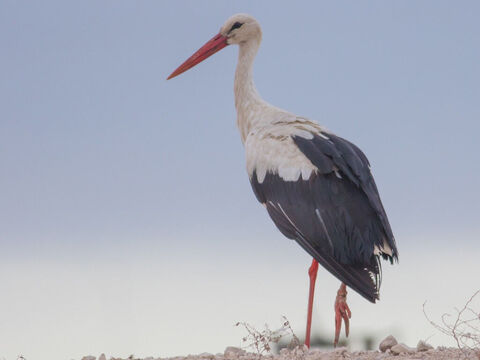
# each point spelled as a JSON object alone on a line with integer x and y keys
{"x": 271, "y": 149}
{"x": 266, "y": 130}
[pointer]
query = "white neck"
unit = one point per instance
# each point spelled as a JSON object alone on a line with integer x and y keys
{"x": 247, "y": 100}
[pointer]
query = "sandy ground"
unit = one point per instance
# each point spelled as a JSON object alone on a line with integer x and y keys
{"x": 301, "y": 353}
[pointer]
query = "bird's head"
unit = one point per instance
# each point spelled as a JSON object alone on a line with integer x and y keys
{"x": 241, "y": 28}
{"x": 238, "y": 29}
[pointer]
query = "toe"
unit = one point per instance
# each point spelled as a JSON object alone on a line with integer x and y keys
{"x": 338, "y": 326}
{"x": 347, "y": 323}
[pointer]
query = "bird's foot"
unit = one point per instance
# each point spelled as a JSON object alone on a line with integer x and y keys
{"x": 342, "y": 312}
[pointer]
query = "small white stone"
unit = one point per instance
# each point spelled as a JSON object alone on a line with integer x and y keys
{"x": 206, "y": 355}
{"x": 232, "y": 352}
{"x": 341, "y": 350}
{"x": 402, "y": 349}
{"x": 300, "y": 350}
{"x": 423, "y": 346}
{"x": 387, "y": 343}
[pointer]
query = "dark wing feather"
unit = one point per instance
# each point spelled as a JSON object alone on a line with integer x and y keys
{"x": 353, "y": 163}
{"x": 337, "y": 220}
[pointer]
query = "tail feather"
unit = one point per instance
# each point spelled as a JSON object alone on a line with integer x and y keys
{"x": 364, "y": 279}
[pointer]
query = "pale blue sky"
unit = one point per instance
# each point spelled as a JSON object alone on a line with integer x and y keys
{"x": 117, "y": 183}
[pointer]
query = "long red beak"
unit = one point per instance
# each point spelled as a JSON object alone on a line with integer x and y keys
{"x": 217, "y": 43}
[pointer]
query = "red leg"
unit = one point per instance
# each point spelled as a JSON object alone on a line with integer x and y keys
{"x": 342, "y": 311}
{"x": 312, "y": 273}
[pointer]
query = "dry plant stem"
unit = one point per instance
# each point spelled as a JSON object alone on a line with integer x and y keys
{"x": 260, "y": 341}
{"x": 465, "y": 328}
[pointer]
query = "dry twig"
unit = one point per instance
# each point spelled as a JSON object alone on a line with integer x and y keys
{"x": 464, "y": 326}
{"x": 260, "y": 341}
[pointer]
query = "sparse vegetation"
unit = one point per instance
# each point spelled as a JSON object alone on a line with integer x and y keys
{"x": 261, "y": 341}
{"x": 463, "y": 327}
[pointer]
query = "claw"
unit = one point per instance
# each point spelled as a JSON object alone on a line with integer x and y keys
{"x": 346, "y": 315}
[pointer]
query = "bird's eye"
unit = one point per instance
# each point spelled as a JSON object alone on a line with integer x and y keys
{"x": 235, "y": 26}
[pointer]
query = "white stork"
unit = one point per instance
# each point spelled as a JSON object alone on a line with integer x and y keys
{"x": 316, "y": 186}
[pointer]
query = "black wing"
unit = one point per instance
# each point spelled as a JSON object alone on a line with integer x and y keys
{"x": 336, "y": 215}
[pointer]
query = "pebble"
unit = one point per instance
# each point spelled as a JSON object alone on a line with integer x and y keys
{"x": 387, "y": 343}
{"x": 205, "y": 355}
{"x": 396, "y": 352}
{"x": 232, "y": 352}
{"x": 423, "y": 346}
{"x": 341, "y": 350}
{"x": 401, "y": 349}
{"x": 300, "y": 350}
{"x": 284, "y": 352}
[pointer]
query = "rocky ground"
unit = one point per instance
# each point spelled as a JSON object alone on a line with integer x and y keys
{"x": 389, "y": 349}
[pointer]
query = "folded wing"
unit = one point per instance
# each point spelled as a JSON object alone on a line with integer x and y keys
{"x": 336, "y": 214}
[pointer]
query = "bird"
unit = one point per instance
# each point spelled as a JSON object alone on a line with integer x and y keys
{"x": 316, "y": 186}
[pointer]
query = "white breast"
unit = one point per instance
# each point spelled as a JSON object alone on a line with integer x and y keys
{"x": 271, "y": 149}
